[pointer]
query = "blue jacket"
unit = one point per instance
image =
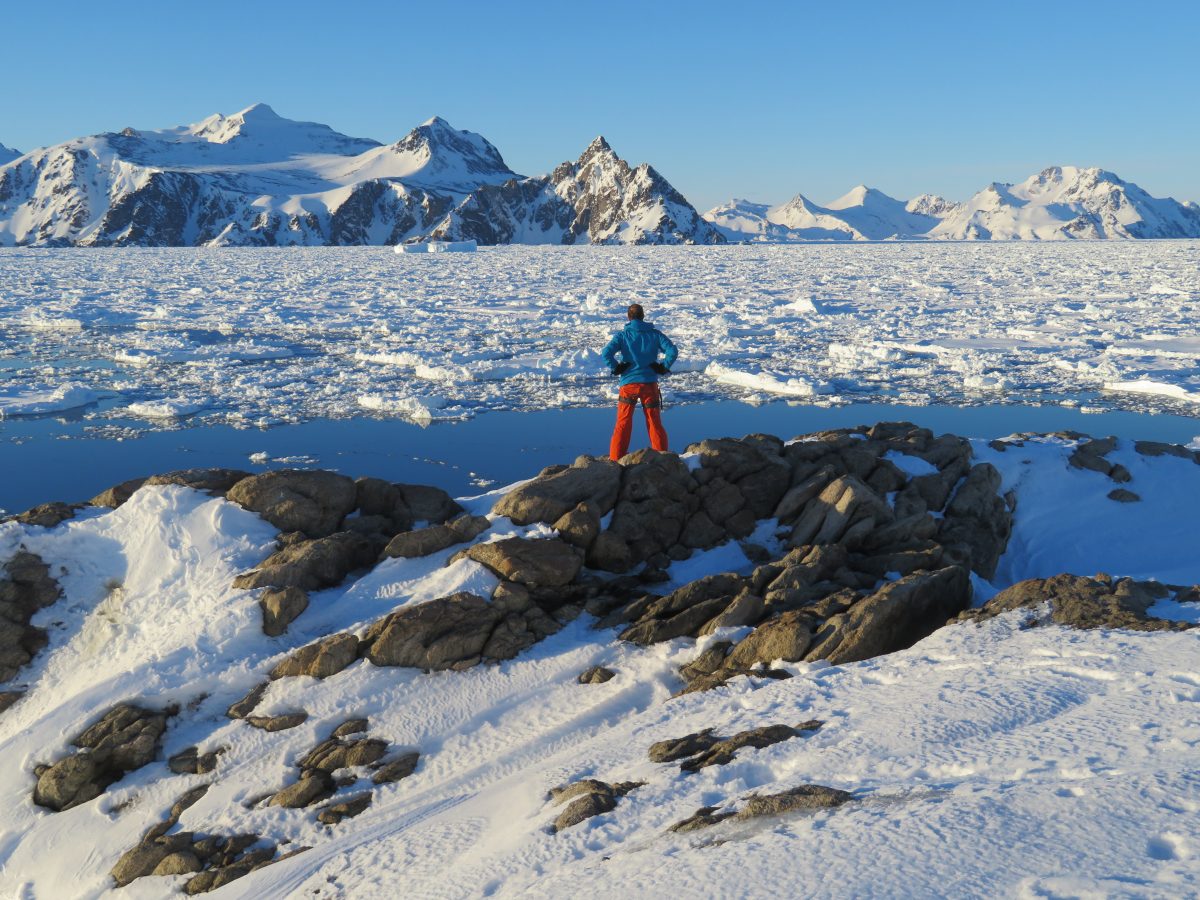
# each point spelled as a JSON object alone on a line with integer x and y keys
{"x": 639, "y": 344}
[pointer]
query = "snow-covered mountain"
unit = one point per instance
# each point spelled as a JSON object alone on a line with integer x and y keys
{"x": 8, "y": 154}
{"x": 1056, "y": 204}
{"x": 256, "y": 178}
{"x": 597, "y": 199}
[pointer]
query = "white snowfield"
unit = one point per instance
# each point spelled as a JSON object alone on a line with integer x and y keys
{"x": 986, "y": 761}
{"x": 292, "y": 334}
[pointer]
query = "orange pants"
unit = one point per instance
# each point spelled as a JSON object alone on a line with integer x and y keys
{"x": 651, "y": 399}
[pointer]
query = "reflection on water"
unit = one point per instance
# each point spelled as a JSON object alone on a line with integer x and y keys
{"x": 56, "y": 459}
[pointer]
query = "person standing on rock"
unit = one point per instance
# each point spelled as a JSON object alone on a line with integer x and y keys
{"x": 638, "y": 345}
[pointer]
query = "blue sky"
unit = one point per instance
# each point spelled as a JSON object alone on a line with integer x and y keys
{"x": 759, "y": 100}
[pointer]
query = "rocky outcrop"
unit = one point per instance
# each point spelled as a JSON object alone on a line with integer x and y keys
{"x": 212, "y": 481}
{"x": 320, "y": 659}
{"x": 534, "y": 563}
{"x": 559, "y": 489}
{"x": 425, "y": 541}
{"x": 46, "y": 515}
{"x": 804, "y": 797}
{"x": 596, "y": 675}
{"x": 280, "y": 607}
{"x": 312, "y": 564}
{"x": 311, "y": 502}
{"x": 587, "y": 798}
{"x": 26, "y": 587}
{"x": 125, "y": 738}
{"x": 1091, "y": 455}
{"x": 702, "y": 749}
{"x": 1079, "y": 602}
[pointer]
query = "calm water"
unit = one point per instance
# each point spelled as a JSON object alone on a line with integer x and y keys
{"x": 53, "y": 459}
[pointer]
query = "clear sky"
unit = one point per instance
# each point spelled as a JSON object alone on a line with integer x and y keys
{"x": 751, "y": 99}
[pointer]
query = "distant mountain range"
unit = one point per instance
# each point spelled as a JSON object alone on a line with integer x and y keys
{"x": 257, "y": 179}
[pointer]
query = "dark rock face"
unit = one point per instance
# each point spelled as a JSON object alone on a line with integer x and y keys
{"x": 1091, "y": 455}
{"x": 587, "y": 798}
{"x": 126, "y": 738}
{"x": 1079, "y": 602}
{"x": 27, "y": 587}
{"x": 297, "y": 500}
{"x": 978, "y": 521}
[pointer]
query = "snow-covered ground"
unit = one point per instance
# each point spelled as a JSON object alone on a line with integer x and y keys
{"x": 986, "y": 761}
{"x": 198, "y": 336}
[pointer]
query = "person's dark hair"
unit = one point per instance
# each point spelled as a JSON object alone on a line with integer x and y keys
{"x": 636, "y": 311}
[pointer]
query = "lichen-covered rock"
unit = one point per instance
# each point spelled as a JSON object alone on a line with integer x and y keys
{"x": 312, "y": 502}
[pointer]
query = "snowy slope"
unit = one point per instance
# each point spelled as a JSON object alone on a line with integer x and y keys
{"x": 1068, "y": 754}
{"x": 1058, "y": 203}
{"x": 256, "y": 178}
{"x": 7, "y": 154}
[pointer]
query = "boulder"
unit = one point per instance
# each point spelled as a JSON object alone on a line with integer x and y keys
{"x": 1079, "y": 602}
{"x": 349, "y": 727}
{"x": 802, "y": 797}
{"x": 787, "y": 637}
{"x": 724, "y": 750}
{"x": 320, "y": 659}
{"x": 610, "y": 553}
{"x": 555, "y": 492}
{"x": 654, "y": 503}
{"x": 214, "y": 481}
{"x": 546, "y": 562}
{"x": 424, "y": 541}
{"x": 334, "y": 813}
{"x": 47, "y": 515}
{"x": 580, "y": 525}
{"x": 397, "y": 768}
{"x": 313, "y": 564}
{"x": 246, "y": 705}
{"x": 376, "y": 499}
{"x": 844, "y": 502}
{"x": 441, "y": 634}
{"x": 745, "y": 609}
{"x": 280, "y": 607}
{"x": 312, "y": 787}
{"x": 191, "y": 761}
{"x": 588, "y": 798}
{"x": 26, "y": 588}
{"x": 596, "y": 675}
{"x": 675, "y": 749}
{"x": 125, "y": 738}
{"x": 313, "y": 502}
{"x": 893, "y": 618}
{"x": 1121, "y": 495}
{"x": 429, "y": 504}
{"x": 282, "y": 722}
{"x": 339, "y": 753}
{"x": 117, "y": 495}
{"x": 792, "y": 503}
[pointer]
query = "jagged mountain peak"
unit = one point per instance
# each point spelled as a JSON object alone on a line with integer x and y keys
{"x": 437, "y": 152}
{"x": 8, "y": 154}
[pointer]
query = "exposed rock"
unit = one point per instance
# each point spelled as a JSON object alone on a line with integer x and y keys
{"x": 580, "y": 525}
{"x": 424, "y": 541}
{"x": 313, "y": 786}
{"x": 1091, "y": 455}
{"x": 723, "y": 750}
{"x": 345, "y": 809}
{"x": 707, "y": 662}
{"x": 47, "y": 515}
{"x": 313, "y": 502}
{"x": 8, "y": 698}
{"x": 654, "y": 503}
{"x": 312, "y": 565}
{"x": 978, "y": 519}
{"x": 321, "y": 659}
{"x": 280, "y": 607}
{"x": 214, "y": 481}
{"x": 26, "y": 588}
{"x": 449, "y": 632}
{"x": 376, "y": 499}
{"x": 675, "y": 749}
{"x": 745, "y": 609}
{"x": 704, "y": 817}
{"x": 212, "y": 879}
{"x": 803, "y": 797}
{"x": 1121, "y": 495}
{"x": 429, "y": 504}
{"x": 787, "y": 637}
{"x": 396, "y": 769}
{"x": 192, "y": 762}
{"x": 1158, "y": 448}
{"x": 596, "y": 675}
{"x": 536, "y": 563}
{"x": 558, "y": 490}
{"x": 277, "y": 723}
{"x": 117, "y": 495}
{"x": 587, "y": 798}
{"x": 715, "y": 680}
{"x": 1079, "y": 602}
{"x": 141, "y": 860}
{"x": 893, "y": 618}
{"x": 246, "y": 705}
{"x": 339, "y": 753}
{"x": 181, "y": 862}
{"x": 349, "y": 727}
{"x": 126, "y": 738}
{"x": 610, "y": 553}
{"x": 793, "y": 502}
{"x": 843, "y": 503}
